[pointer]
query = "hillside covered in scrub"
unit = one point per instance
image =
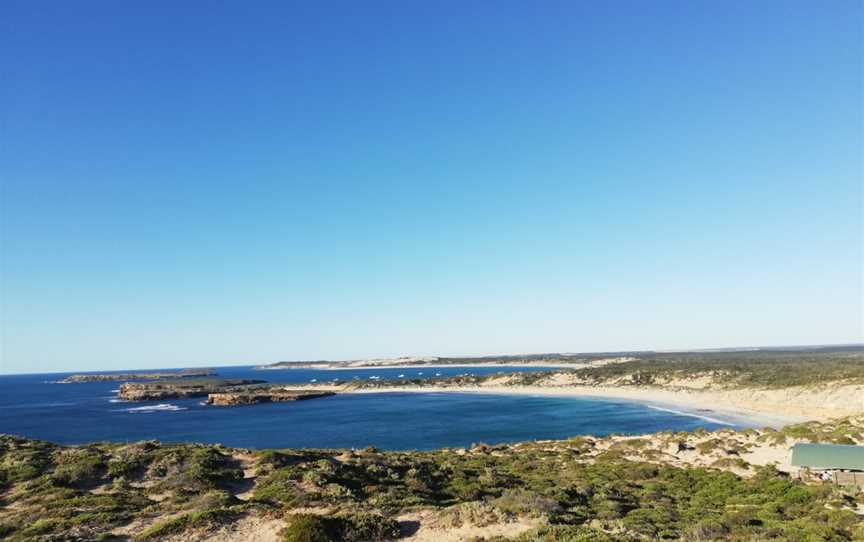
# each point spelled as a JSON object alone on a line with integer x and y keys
{"x": 721, "y": 485}
{"x": 718, "y": 370}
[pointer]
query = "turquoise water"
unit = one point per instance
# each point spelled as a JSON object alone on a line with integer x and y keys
{"x": 76, "y": 413}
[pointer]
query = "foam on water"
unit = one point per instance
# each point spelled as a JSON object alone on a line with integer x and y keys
{"x": 691, "y": 414}
{"x": 162, "y": 407}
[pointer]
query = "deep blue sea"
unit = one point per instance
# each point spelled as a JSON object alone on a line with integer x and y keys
{"x": 32, "y": 406}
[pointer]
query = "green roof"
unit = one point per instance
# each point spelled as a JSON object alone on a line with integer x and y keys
{"x": 828, "y": 456}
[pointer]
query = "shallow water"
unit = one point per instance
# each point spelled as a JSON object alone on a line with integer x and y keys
{"x": 76, "y": 413}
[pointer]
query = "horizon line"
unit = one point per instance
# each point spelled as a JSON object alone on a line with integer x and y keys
{"x": 718, "y": 350}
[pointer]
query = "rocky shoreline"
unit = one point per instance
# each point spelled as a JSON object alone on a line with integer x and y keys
{"x": 256, "y": 397}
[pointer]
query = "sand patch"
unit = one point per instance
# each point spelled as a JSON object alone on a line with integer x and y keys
{"x": 428, "y": 529}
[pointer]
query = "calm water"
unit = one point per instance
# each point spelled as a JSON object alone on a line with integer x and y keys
{"x": 75, "y": 413}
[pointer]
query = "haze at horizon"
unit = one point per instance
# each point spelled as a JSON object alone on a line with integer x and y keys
{"x": 195, "y": 187}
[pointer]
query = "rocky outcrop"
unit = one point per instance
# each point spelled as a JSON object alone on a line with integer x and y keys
{"x": 238, "y": 398}
{"x": 122, "y": 377}
{"x": 157, "y": 391}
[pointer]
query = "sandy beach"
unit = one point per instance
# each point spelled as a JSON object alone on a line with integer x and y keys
{"x": 702, "y": 407}
{"x": 365, "y": 364}
{"x": 431, "y": 367}
{"x": 769, "y": 408}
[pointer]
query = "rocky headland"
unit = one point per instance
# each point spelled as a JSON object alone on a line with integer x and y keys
{"x": 183, "y": 389}
{"x": 235, "y": 392}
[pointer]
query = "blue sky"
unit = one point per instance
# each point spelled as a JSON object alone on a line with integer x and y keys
{"x": 201, "y": 183}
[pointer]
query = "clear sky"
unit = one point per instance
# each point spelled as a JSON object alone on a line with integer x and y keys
{"x": 205, "y": 183}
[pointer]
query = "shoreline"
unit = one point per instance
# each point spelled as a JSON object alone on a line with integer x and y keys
{"x": 700, "y": 404}
{"x": 452, "y": 365}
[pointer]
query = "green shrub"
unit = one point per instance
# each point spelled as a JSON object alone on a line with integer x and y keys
{"x": 365, "y": 526}
{"x": 523, "y": 502}
{"x": 77, "y": 466}
{"x": 311, "y": 528}
{"x": 192, "y": 520}
{"x": 476, "y": 513}
{"x": 341, "y": 528}
{"x": 569, "y": 533}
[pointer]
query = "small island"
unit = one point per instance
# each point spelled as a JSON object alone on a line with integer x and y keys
{"x": 123, "y": 377}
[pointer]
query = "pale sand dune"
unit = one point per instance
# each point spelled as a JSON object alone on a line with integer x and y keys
{"x": 429, "y": 531}
{"x": 250, "y": 528}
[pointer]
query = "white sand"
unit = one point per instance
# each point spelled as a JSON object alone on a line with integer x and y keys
{"x": 436, "y": 367}
{"x": 702, "y": 407}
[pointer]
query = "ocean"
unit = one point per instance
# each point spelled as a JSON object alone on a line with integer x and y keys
{"x": 33, "y": 406}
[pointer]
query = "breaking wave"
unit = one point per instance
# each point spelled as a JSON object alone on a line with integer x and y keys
{"x": 161, "y": 407}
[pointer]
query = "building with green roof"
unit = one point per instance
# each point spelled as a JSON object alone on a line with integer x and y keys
{"x": 828, "y": 457}
{"x": 843, "y": 464}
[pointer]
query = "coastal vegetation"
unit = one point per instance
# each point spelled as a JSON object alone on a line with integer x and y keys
{"x": 672, "y": 486}
{"x": 773, "y": 367}
{"x": 768, "y": 369}
{"x": 436, "y": 361}
{"x": 720, "y": 370}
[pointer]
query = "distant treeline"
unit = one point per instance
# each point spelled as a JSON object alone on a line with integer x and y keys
{"x": 764, "y": 368}
{"x": 750, "y": 369}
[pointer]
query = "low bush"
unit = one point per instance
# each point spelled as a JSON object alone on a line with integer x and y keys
{"x": 340, "y": 528}
{"x": 192, "y": 520}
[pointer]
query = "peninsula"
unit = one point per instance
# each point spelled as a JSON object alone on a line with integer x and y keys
{"x": 524, "y": 360}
